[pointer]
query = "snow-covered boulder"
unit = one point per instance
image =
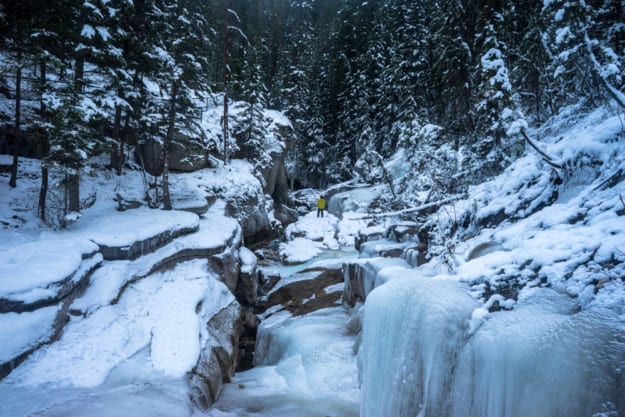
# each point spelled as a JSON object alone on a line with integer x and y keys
{"x": 185, "y": 155}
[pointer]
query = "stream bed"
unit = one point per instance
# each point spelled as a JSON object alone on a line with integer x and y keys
{"x": 305, "y": 366}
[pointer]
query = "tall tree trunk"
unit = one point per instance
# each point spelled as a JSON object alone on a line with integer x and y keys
{"x": 118, "y": 152}
{"x": 168, "y": 138}
{"x": 16, "y": 131}
{"x": 225, "y": 69}
{"x": 73, "y": 195}
{"x": 43, "y": 191}
{"x": 73, "y": 180}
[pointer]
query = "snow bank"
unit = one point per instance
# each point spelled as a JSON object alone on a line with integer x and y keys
{"x": 27, "y": 331}
{"x": 307, "y": 237}
{"x": 37, "y": 265}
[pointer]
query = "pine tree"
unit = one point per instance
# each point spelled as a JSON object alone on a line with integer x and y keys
{"x": 250, "y": 127}
{"x": 106, "y": 42}
{"x": 583, "y": 39}
{"x": 70, "y": 142}
{"x": 493, "y": 109}
{"x": 179, "y": 69}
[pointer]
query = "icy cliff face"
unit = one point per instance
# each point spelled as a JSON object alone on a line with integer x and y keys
{"x": 413, "y": 328}
{"x": 423, "y": 354}
{"x": 544, "y": 358}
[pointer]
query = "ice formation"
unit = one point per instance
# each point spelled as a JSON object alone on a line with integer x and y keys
{"x": 545, "y": 358}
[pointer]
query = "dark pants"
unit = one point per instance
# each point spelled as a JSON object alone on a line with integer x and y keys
{"x": 320, "y": 212}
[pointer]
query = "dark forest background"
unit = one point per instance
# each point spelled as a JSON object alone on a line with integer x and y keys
{"x": 454, "y": 84}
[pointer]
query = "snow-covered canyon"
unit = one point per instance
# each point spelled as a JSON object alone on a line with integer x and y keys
{"x": 521, "y": 312}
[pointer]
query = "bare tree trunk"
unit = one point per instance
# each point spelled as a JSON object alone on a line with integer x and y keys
{"x": 170, "y": 133}
{"x": 16, "y": 131}
{"x": 225, "y": 69}
{"x": 73, "y": 180}
{"x": 73, "y": 187}
{"x": 43, "y": 191}
{"x": 119, "y": 147}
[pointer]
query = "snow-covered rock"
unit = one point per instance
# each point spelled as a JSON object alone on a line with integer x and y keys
{"x": 306, "y": 291}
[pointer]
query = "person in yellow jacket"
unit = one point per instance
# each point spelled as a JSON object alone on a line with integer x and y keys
{"x": 321, "y": 206}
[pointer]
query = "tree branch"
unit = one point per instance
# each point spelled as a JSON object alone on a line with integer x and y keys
{"x": 616, "y": 94}
{"x": 542, "y": 153}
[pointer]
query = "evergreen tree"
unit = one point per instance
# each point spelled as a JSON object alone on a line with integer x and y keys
{"x": 107, "y": 45}
{"x": 493, "y": 109}
{"x": 250, "y": 127}
{"x": 583, "y": 39}
{"x": 179, "y": 68}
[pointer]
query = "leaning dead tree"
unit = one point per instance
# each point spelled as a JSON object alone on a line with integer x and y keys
{"x": 548, "y": 159}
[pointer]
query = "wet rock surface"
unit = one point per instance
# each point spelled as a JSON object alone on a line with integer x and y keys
{"x": 306, "y": 291}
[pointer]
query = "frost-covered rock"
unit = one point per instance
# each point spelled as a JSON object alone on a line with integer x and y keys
{"x": 249, "y": 278}
{"x": 185, "y": 154}
{"x": 219, "y": 336}
{"x": 361, "y": 276}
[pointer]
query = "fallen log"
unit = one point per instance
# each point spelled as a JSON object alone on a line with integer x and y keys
{"x": 424, "y": 207}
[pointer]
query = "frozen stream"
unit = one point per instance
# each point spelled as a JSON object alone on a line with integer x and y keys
{"x": 306, "y": 365}
{"x": 310, "y": 370}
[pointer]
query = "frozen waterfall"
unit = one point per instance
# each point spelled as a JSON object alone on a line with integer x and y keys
{"x": 423, "y": 355}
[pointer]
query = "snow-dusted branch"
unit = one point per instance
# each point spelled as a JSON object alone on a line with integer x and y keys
{"x": 618, "y": 95}
{"x": 233, "y": 13}
{"x": 412, "y": 210}
{"x": 548, "y": 159}
{"x": 239, "y": 31}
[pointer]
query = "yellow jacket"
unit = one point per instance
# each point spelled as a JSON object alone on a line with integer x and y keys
{"x": 321, "y": 203}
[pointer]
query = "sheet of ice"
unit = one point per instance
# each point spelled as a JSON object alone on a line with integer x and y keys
{"x": 326, "y": 258}
{"x": 23, "y": 331}
{"x": 543, "y": 359}
{"x": 444, "y": 354}
{"x": 413, "y": 328}
{"x": 308, "y": 370}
